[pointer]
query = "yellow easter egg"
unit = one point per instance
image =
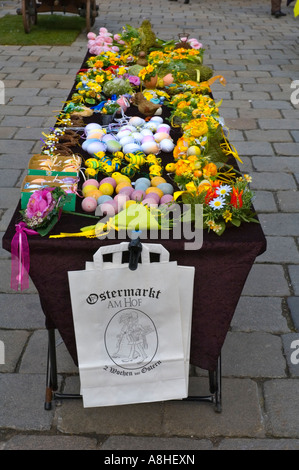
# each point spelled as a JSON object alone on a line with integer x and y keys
{"x": 193, "y": 150}
{"x": 118, "y": 177}
{"x": 87, "y": 189}
{"x": 107, "y": 189}
{"x": 170, "y": 167}
{"x": 122, "y": 184}
{"x": 156, "y": 180}
{"x": 129, "y": 203}
{"x": 153, "y": 189}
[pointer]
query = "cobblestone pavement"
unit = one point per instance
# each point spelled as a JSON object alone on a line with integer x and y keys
{"x": 258, "y": 55}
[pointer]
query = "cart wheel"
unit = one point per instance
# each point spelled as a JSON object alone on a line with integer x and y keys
{"x": 91, "y": 13}
{"x": 29, "y": 13}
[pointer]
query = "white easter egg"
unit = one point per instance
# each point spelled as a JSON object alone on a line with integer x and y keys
{"x": 128, "y": 127}
{"x": 137, "y": 136}
{"x": 91, "y": 126}
{"x": 151, "y": 125}
{"x": 123, "y": 133}
{"x": 136, "y": 121}
{"x": 131, "y": 147}
{"x": 126, "y": 140}
{"x": 150, "y": 147}
{"x": 146, "y": 132}
{"x": 95, "y": 147}
{"x": 88, "y": 142}
{"x": 107, "y": 137}
{"x": 156, "y": 119}
{"x": 166, "y": 145}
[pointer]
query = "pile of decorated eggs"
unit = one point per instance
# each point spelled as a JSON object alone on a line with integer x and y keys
{"x": 116, "y": 192}
{"x": 150, "y": 137}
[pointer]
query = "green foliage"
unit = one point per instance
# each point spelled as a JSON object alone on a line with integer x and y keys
{"x": 50, "y": 30}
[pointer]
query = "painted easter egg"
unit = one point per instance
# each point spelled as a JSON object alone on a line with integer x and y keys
{"x": 88, "y": 142}
{"x": 87, "y": 189}
{"x": 136, "y": 121}
{"x": 89, "y": 204}
{"x": 137, "y": 195}
{"x": 127, "y": 190}
{"x": 131, "y": 148}
{"x": 104, "y": 198}
{"x": 150, "y": 147}
{"x": 166, "y": 188}
{"x": 157, "y": 119}
{"x": 166, "y": 198}
{"x": 159, "y": 136}
{"x": 106, "y": 188}
{"x": 146, "y": 181}
{"x": 109, "y": 208}
{"x": 90, "y": 181}
{"x": 109, "y": 180}
{"x": 156, "y": 180}
{"x": 92, "y": 126}
{"x": 155, "y": 190}
{"x": 95, "y": 147}
{"x": 166, "y": 145}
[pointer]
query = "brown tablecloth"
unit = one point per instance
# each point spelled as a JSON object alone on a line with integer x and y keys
{"x": 221, "y": 268}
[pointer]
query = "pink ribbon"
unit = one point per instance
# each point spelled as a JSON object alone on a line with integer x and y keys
{"x": 20, "y": 259}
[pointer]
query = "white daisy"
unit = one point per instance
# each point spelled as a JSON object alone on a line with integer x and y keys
{"x": 223, "y": 190}
{"x": 217, "y": 203}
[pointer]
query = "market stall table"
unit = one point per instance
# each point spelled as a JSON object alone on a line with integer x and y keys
{"x": 222, "y": 265}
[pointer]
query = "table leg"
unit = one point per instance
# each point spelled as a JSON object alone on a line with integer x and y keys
{"x": 215, "y": 389}
{"x": 52, "y": 382}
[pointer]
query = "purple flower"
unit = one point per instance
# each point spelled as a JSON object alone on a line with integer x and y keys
{"x": 134, "y": 80}
{"x": 40, "y": 203}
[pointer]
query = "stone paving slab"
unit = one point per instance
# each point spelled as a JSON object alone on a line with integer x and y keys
{"x": 282, "y": 407}
{"x": 259, "y": 314}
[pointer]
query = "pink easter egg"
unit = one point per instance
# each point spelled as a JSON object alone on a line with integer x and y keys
{"x": 137, "y": 195}
{"x": 91, "y": 181}
{"x": 164, "y": 128}
{"x": 109, "y": 208}
{"x": 168, "y": 206}
{"x": 128, "y": 190}
{"x": 147, "y": 138}
{"x": 121, "y": 199}
{"x": 153, "y": 196}
{"x": 166, "y": 198}
{"x": 150, "y": 201}
{"x": 109, "y": 180}
{"x": 89, "y": 204}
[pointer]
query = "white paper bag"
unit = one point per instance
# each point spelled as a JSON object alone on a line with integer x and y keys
{"x": 132, "y": 328}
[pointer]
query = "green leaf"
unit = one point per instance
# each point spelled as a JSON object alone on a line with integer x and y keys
{"x": 236, "y": 222}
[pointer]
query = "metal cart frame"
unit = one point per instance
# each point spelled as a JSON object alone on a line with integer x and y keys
{"x": 52, "y": 381}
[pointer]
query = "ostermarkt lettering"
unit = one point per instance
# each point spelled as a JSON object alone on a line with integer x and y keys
{"x": 112, "y": 294}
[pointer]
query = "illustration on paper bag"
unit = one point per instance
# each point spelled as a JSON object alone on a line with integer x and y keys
{"x": 131, "y": 339}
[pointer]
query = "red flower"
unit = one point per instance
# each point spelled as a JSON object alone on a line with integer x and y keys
{"x": 236, "y": 198}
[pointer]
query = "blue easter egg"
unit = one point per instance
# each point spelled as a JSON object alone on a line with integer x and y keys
{"x": 104, "y": 198}
{"x": 140, "y": 187}
{"x": 144, "y": 181}
{"x": 167, "y": 188}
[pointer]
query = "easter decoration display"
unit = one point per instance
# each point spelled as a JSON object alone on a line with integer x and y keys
{"x": 152, "y": 144}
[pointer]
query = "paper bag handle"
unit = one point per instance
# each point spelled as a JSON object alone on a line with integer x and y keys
{"x": 117, "y": 250}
